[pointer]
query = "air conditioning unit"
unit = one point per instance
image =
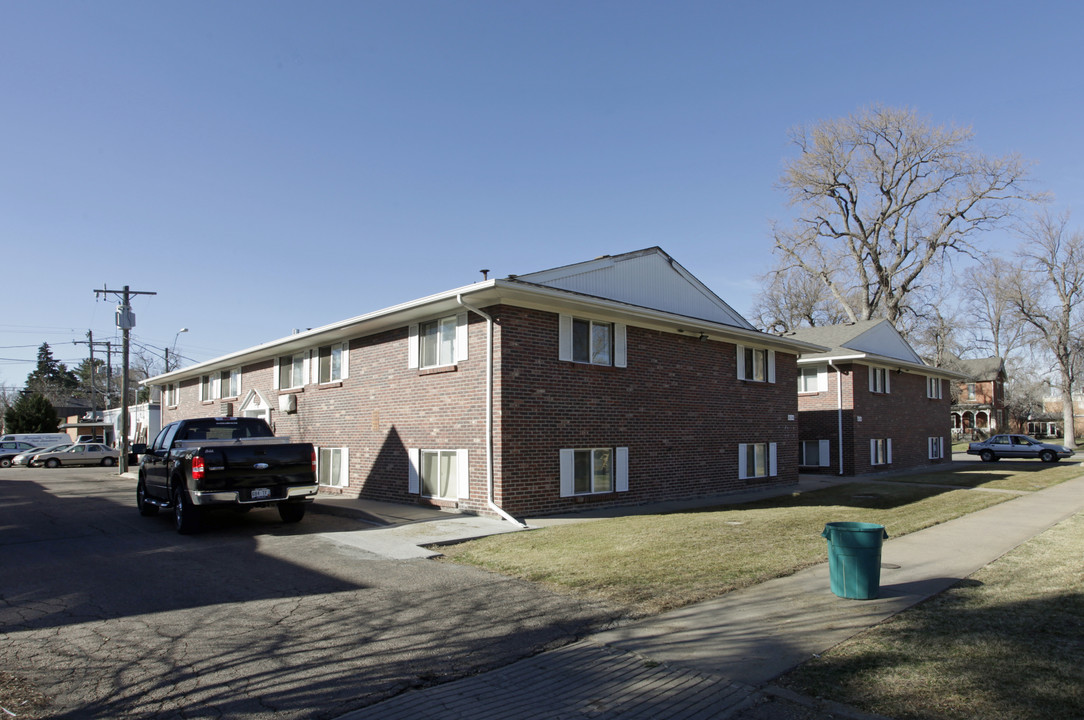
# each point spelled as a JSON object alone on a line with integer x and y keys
{"x": 225, "y": 409}
{"x": 288, "y": 403}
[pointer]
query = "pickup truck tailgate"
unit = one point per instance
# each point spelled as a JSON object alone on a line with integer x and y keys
{"x": 247, "y": 467}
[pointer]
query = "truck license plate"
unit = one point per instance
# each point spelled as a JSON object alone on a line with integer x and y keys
{"x": 261, "y": 493}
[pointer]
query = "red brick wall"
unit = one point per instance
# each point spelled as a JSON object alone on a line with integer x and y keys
{"x": 678, "y": 407}
{"x": 905, "y": 415}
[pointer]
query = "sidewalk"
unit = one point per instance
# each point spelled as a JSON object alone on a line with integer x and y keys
{"x": 713, "y": 659}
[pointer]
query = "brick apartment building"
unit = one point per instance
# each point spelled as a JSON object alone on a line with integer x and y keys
{"x": 872, "y": 397}
{"x": 614, "y": 381}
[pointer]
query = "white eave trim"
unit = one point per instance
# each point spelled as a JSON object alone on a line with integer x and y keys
{"x": 882, "y": 361}
{"x": 481, "y": 294}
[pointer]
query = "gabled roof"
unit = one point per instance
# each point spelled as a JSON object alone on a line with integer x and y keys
{"x": 646, "y": 288}
{"x": 874, "y": 341}
{"x": 647, "y": 278}
{"x": 981, "y": 369}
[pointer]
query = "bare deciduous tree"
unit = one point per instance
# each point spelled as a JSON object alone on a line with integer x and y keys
{"x": 1047, "y": 295}
{"x": 791, "y": 299}
{"x": 988, "y": 297}
{"x": 882, "y": 196}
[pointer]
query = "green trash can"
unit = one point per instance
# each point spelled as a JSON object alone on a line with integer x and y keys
{"x": 854, "y": 558}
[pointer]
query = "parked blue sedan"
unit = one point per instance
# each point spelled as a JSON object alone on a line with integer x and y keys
{"x": 1017, "y": 446}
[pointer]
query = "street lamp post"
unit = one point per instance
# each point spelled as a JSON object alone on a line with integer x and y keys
{"x": 174, "y": 347}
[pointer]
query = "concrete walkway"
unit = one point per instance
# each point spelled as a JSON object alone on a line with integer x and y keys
{"x": 713, "y": 659}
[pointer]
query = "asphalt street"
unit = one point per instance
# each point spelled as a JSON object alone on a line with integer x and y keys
{"x": 115, "y": 615}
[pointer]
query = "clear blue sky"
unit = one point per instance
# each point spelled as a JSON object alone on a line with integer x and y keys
{"x": 265, "y": 166}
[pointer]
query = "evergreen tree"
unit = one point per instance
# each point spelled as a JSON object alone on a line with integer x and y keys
{"x": 31, "y": 413}
{"x": 51, "y": 377}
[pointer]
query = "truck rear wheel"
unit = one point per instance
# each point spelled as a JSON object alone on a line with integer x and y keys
{"x": 186, "y": 516}
{"x": 291, "y": 512}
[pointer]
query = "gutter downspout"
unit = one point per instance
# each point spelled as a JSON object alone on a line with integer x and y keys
{"x": 839, "y": 412}
{"x": 489, "y": 414}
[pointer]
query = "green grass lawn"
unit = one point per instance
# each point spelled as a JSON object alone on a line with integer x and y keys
{"x": 1005, "y": 644}
{"x": 646, "y": 564}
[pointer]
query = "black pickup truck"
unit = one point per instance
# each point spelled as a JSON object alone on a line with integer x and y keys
{"x": 194, "y": 465}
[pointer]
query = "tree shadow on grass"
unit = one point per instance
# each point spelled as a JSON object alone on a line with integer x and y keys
{"x": 1011, "y": 660}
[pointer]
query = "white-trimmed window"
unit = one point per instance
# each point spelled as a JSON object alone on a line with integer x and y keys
{"x": 756, "y": 364}
{"x": 206, "y": 388}
{"x": 332, "y": 362}
{"x": 879, "y": 380}
{"x": 933, "y": 388}
{"x": 880, "y": 451}
{"x": 229, "y": 383}
{"x": 442, "y": 474}
{"x": 813, "y": 379}
{"x": 814, "y": 453}
{"x": 756, "y": 460}
{"x": 333, "y": 467}
{"x": 171, "y": 395}
{"x": 592, "y": 342}
{"x": 290, "y": 370}
{"x": 937, "y": 448}
{"x": 591, "y": 471}
{"x": 438, "y": 343}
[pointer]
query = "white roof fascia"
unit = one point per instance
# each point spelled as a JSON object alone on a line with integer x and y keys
{"x": 883, "y": 361}
{"x": 490, "y": 292}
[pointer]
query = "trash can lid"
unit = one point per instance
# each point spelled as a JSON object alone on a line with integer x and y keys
{"x": 853, "y": 527}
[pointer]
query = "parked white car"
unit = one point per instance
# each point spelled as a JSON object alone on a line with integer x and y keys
{"x": 23, "y": 459}
{"x": 78, "y": 454}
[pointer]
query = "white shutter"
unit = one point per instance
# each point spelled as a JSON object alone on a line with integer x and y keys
{"x": 741, "y": 362}
{"x": 568, "y": 473}
{"x": 461, "y": 341}
{"x": 620, "y": 352}
{"x": 236, "y": 372}
{"x": 564, "y": 340}
{"x": 742, "y": 473}
{"x": 772, "y": 469}
{"x": 888, "y": 451}
{"x": 870, "y": 368}
{"x": 941, "y": 445}
{"x": 771, "y": 367}
{"x": 346, "y": 361}
{"x": 822, "y": 379}
{"x": 621, "y": 470}
{"x": 216, "y": 386}
{"x": 344, "y": 467}
{"x": 888, "y": 381}
{"x": 825, "y": 452}
{"x": 276, "y": 384}
{"x": 872, "y": 452}
{"x": 462, "y": 473}
{"x": 414, "y": 483}
{"x": 412, "y": 346}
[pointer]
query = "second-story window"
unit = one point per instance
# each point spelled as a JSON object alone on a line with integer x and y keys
{"x": 879, "y": 380}
{"x": 290, "y": 371}
{"x": 332, "y": 362}
{"x": 438, "y": 343}
{"x": 229, "y": 382}
{"x": 933, "y": 388}
{"x": 593, "y": 342}
{"x": 756, "y": 364}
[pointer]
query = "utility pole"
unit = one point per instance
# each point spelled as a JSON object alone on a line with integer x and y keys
{"x": 125, "y": 321}
{"x": 90, "y": 342}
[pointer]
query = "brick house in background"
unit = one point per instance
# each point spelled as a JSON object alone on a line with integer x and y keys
{"x": 615, "y": 381}
{"x": 980, "y": 398}
{"x": 869, "y": 403}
